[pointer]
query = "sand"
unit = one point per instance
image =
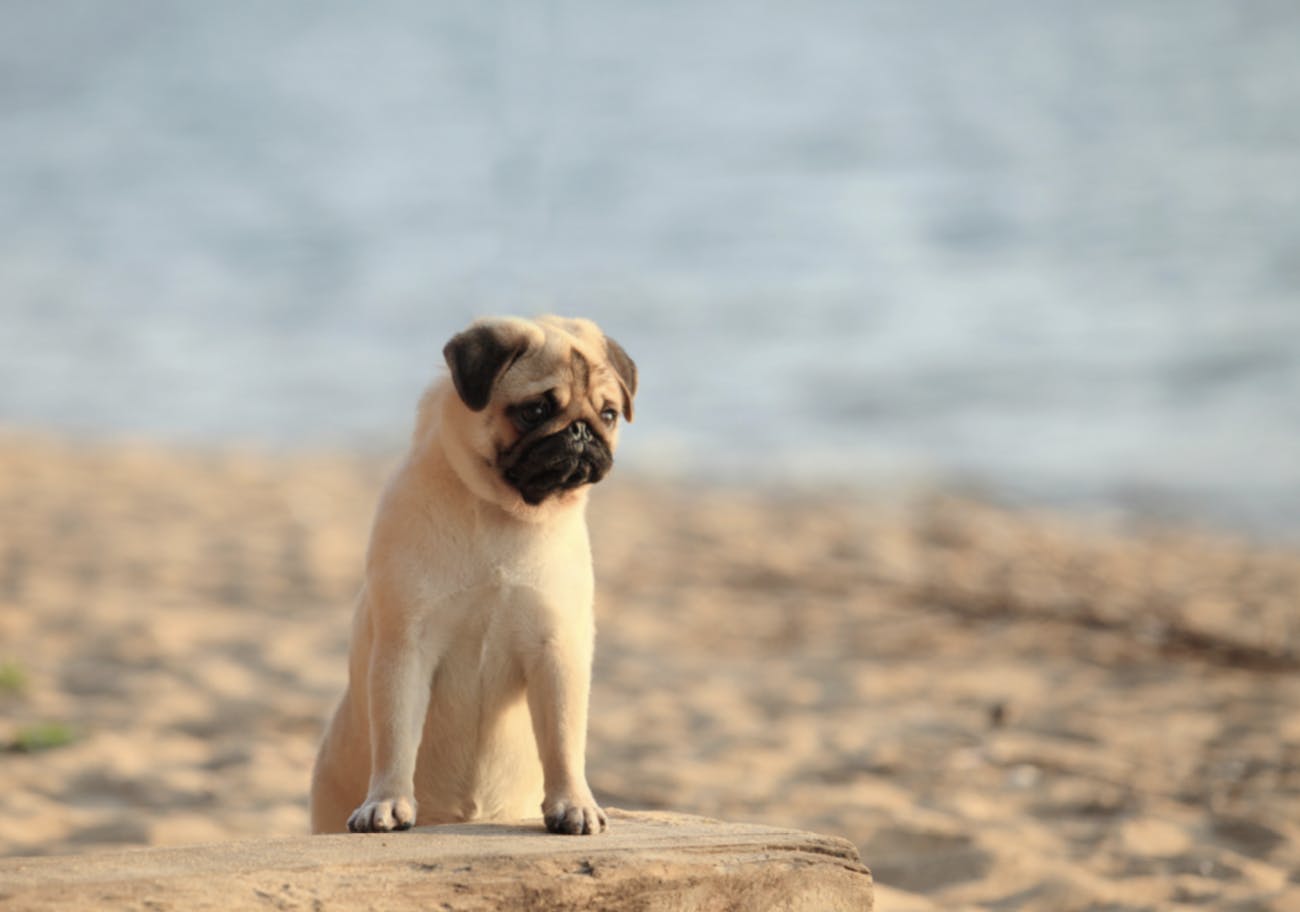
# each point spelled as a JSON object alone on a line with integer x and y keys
{"x": 1001, "y": 709}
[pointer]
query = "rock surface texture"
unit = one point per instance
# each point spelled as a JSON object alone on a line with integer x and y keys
{"x": 646, "y": 862}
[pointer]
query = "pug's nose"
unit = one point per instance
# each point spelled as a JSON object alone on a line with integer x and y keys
{"x": 580, "y": 431}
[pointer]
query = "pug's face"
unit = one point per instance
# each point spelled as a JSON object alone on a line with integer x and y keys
{"x": 539, "y": 406}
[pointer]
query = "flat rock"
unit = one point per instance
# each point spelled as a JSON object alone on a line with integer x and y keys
{"x": 646, "y": 862}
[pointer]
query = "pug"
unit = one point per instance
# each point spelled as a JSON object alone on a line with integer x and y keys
{"x": 470, "y": 660}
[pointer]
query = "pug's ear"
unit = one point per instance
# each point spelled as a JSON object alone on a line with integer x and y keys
{"x": 626, "y": 370}
{"x": 478, "y": 356}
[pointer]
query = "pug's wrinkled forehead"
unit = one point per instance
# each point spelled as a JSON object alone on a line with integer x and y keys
{"x": 597, "y": 359}
{"x": 568, "y": 358}
{"x": 562, "y": 369}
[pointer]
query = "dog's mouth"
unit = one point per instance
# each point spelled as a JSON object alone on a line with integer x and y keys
{"x": 557, "y": 462}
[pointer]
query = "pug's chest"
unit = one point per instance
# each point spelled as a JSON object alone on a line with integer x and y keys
{"x": 508, "y": 607}
{"x": 494, "y": 630}
{"x": 496, "y": 594}
{"x": 552, "y": 563}
{"x": 493, "y": 602}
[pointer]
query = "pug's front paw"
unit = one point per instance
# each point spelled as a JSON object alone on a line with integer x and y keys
{"x": 383, "y": 815}
{"x": 574, "y": 816}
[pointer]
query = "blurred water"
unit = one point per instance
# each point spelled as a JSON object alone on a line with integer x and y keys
{"x": 1049, "y": 247}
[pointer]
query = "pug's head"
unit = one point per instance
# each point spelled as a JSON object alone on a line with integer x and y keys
{"x": 537, "y": 408}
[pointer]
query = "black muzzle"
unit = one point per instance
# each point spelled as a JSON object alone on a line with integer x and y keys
{"x": 558, "y": 462}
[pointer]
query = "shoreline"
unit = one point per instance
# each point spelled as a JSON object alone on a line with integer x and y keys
{"x": 1132, "y": 511}
{"x": 991, "y": 704}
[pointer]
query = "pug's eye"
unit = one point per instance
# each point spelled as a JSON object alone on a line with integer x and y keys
{"x": 529, "y": 415}
{"x": 609, "y": 416}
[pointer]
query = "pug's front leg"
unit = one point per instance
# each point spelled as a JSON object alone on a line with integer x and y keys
{"x": 559, "y": 684}
{"x": 399, "y": 676}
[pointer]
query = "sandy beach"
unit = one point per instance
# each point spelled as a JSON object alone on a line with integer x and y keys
{"x": 1001, "y": 709}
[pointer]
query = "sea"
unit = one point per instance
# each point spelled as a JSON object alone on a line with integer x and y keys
{"x": 1046, "y": 251}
